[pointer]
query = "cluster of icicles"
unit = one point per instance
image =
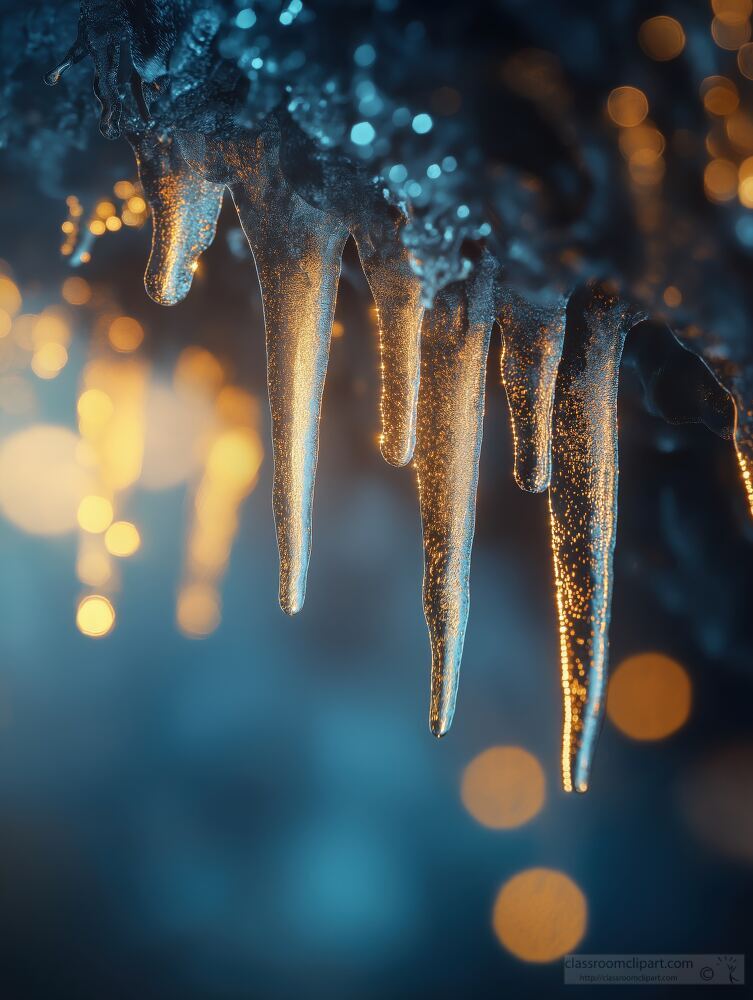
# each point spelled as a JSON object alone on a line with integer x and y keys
{"x": 560, "y": 360}
{"x": 560, "y": 364}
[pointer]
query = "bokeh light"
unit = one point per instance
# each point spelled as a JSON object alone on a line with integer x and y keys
{"x": 627, "y": 106}
{"x": 76, "y": 291}
{"x": 41, "y": 481}
{"x": 730, "y": 36}
{"x": 720, "y": 96}
{"x": 10, "y": 297}
{"x": 125, "y": 334}
{"x": 662, "y": 38}
{"x": 720, "y": 180}
{"x": 198, "y": 610}
{"x": 122, "y": 539}
{"x": 540, "y": 915}
{"x": 503, "y": 787}
{"x": 649, "y": 696}
{"x": 745, "y": 60}
{"x": 732, "y": 11}
{"x": 95, "y": 514}
{"x": 95, "y": 616}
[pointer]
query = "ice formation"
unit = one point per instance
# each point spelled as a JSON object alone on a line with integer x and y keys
{"x": 210, "y": 107}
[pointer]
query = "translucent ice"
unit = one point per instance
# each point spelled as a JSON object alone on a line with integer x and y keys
{"x": 397, "y": 295}
{"x": 532, "y": 336}
{"x": 448, "y": 444}
{"x": 297, "y": 250}
{"x": 184, "y": 206}
{"x": 583, "y": 506}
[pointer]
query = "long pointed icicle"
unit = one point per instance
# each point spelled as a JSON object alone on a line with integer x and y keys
{"x": 455, "y": 345}
{"x": 185, "y": 207}
{"x": 532, "y": 338}
{"x": 583, "y": 507}
{"x": 297, "y": 250}
{"x": 397, "y": 296}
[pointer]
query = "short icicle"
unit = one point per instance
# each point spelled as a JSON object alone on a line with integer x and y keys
{"x": 532, "y": 338}
{"x": 455, "y": 345}
{"x": 185, "y": 207}
{"x": 397, "y": 296}
{"x": 583, "y": 507}
{"x": 297, "y": 250}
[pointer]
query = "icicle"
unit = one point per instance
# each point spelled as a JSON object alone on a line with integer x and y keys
{"x": 744, "y": 444}
{"x": 532, "y": 337}
{"x": 297, "y": 250}
{"x": 397, "y": 295}
{"x": 737, "y": 379}
{"x": 455, "y": 345}
{"x": 185, "y": 207}
{"x": 100, "y": 30}
{"x": 583, "y": 506}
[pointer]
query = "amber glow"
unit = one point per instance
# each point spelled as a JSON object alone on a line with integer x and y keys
{"x": 540, "y": 915}
{"x": 720, "y": 96}
{"x": 739, "y": 128}
{"x": 114, "y": 429}
{"x": 95, "y": 514}
{"x": 123, "y": 190}
{"x": 125, "y": 334}
{"x": 198, "y": 609}
{"x": 95, "y": 616}
{"x": 198, "y": 369}
{"x": 10, "y": 297}
{"x": 745, "y": 60}
{"x": 627, "y": 106}
{"x": 41, "y": 481}
{"x": 732, "y": 11}
{"x": 649, "y": 696}
{"x": 48, "y": 360}
{"x": 730, "y": 36}
{"x": 122, "y": 539}
{"x": 76, "y": 291}
{"x": 503, "y": 787}
{"x": 136, "y": 204}
{"x": 662, "y": 38}
{"x": 227, "y": 447}
{"x": 720, "y": 180}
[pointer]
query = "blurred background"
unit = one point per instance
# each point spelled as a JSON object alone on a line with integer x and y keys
{"x": 200, "y": 798}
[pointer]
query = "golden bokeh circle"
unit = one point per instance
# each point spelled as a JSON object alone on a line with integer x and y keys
{"x": 662, "y": 38}
{"x": 627, "y": 106}
{"x": 95, "y": 616}
{"x": 122, "y": 539}
{"x": 649, "y": 696}
{"x": 125, "y": 334}
{"x": 539, "y": 915}
{"x": 503, "y": 787}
